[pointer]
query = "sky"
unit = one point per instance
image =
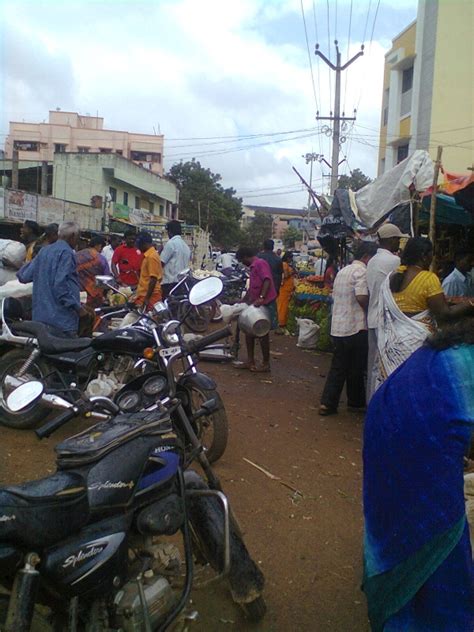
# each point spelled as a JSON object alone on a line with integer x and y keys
{"x": 228, "y": 82}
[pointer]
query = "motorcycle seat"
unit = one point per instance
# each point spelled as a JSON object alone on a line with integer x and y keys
{"x": 49, "y": 339}
{"x": 42, "y": 512}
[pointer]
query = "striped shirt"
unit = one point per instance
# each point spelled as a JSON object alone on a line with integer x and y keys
{"x": 348, "y": 317}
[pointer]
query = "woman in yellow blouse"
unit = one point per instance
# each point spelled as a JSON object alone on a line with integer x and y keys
{"x": 411, "y": 305}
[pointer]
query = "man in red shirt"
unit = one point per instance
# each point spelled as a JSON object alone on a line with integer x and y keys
{"x": 261, "y": 293}
{"x": 127, "y": 261}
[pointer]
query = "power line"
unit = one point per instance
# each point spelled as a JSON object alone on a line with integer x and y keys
{"x": 366, "y": 22}
{"x": 348, "y": 48}
{"x": 309, "y": 56}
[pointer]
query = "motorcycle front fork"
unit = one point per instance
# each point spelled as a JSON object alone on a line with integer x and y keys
{"x": 23, "y": 596}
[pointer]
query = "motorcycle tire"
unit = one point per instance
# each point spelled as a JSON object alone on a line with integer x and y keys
{"x": 32, "y": 415}
{"x": 217, "y": 422}
{"x": 255, "y": 610}
{"x": 198, "y": 319}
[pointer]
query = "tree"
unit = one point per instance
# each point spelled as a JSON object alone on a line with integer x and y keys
{"x": 355, "y": 181}
{"x": 205, "y": 202}
{"x": 291, "y": 235}
{"x": 257, "y": 230}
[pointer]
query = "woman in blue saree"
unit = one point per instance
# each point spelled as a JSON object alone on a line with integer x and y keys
{"x": 418, "y": 566}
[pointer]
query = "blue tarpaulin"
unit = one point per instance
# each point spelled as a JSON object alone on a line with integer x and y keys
{"x": 447, "y": 211}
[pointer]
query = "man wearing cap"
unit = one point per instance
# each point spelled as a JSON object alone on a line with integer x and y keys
{"x": 151, "y": 273}
{"x": 379, "y": 267}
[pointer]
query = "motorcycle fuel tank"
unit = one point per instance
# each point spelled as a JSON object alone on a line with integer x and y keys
{"x": 130, "y": 340}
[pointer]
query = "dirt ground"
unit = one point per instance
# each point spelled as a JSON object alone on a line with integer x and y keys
{"x": 308, "y": 543}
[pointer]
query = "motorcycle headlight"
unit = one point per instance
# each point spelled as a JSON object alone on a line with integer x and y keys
{"x": 170, "y": 332}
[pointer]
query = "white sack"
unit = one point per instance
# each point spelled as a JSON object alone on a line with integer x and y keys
{"x": 15, "y": 289}
{"x": 378, "y": 198}
{"x": 228, "y": 312}
{"x": 308, "y": 333}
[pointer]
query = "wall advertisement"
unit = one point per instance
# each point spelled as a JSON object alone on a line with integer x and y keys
{"x": 21, "y": 205}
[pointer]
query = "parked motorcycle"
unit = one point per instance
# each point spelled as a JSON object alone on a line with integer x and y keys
{"x": 85, "y": 549}
{"x": 103, "y": 366}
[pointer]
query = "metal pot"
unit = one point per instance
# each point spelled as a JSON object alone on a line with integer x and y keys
{"x": 255, "y": 321}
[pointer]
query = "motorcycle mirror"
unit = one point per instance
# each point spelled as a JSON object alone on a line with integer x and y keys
{"x": 205, "y": 290}
{"x": 104, "y": 279}
{"x": 24, "y": 395}
{"x": 160, "y": 307}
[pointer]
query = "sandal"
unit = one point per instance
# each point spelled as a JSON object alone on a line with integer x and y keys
{"x": 244, "y": 365}
{"x": 265, "y": 368}
{"x": 324, "y": 411}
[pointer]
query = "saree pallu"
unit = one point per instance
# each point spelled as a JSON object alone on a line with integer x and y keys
{"x": 89, "y": 265}
{"x": 418, "y": 567}
{"x": 398, "y": 336}
{"x": 286, "y": 292}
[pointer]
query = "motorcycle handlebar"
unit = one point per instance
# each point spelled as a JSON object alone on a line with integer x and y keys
{"x": 196, "y": 345}
{"x": 56, "y": 423}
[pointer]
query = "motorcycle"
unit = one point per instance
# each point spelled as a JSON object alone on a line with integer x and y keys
{"x": 103, "y": 366}
{"x": 85, "y": 549}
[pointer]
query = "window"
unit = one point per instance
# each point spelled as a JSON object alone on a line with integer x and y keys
{"x": 407, "y": 79}
{"x": 137, "y": 202}
{"x": 162, "y": 210}
{"x": 145, "y": 156}
{"x": 385, "y": 116}
{"x": 402, "y": 152}
{"x": 105, "y": 150}
{"x": 119, "y": 152}
{"x": 26, "y": 145}
{"x": 83, "y": 150}
{"x": 152, "y": 207}
{"x": 125, "y": 198}
{"x": 59, "y": 148}
{"x": 113, "y": 193}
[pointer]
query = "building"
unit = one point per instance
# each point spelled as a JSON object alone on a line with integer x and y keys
{"x": 282, "y": 218}
{"x": 427, "y": 91}
{"x": 75, "y": 133}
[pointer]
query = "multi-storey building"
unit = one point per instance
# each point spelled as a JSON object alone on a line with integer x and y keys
{"x": 72, "y": 132}
{"x": 427, "y": 92}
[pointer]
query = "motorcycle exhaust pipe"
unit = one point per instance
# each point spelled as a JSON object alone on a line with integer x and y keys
{"x": 50, "y": 400}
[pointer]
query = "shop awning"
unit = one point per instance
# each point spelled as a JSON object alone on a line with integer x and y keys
{"x": 447, "y": 211}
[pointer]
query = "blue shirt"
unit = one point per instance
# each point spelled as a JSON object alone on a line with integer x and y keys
{"x": 56, "y": 299}
{"x": 455, "y": 284}
{"x": 175, "y": 258}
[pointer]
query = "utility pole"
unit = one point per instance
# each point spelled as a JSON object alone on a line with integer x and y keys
{"x": 337, "y": 118}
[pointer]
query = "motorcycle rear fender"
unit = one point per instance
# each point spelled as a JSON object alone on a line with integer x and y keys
{"x": 200, "y": 380}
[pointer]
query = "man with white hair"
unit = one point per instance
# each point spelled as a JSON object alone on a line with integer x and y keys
{"x": 55, "y": 282}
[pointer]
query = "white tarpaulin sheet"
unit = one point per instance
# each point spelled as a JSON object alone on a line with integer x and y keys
{"x": 378, "y": 198}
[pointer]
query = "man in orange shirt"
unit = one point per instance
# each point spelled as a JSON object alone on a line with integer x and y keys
{"x": 151, "y": 272}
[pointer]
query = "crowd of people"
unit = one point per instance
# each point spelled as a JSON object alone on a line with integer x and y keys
{"x": 60, "y": 272}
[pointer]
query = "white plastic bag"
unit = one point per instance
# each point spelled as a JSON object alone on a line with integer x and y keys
{"x": 308, "y": 333}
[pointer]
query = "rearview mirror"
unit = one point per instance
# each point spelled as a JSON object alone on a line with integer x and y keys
{"x": 205, "y": 290}
{"x": 24, "y": 396}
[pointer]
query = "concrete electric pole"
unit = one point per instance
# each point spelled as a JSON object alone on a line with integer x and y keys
{"x": 337, "y": 118}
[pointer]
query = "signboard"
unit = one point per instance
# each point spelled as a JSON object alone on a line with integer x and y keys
{"x": 121, "y": 211}
{"x": 50, "y": 210}
{"x": 21, "y": 206}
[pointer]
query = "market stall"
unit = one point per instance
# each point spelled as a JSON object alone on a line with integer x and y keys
{"x": 313, "y": 301}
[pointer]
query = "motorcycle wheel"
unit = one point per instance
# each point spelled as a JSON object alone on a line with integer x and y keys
{"x": 28, "y": 418}
{"x": 198, "y": 319}
{"x": 212, "y": 431}
{"x": 255, "y": 610}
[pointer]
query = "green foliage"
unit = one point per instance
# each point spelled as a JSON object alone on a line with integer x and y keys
{"x": 291, "y": 235}
{"x": 205, "y": 202}
{"x": 257, "y": 230}
{"x": 355, "y": 181}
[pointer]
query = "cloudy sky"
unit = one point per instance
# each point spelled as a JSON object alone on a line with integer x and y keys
{"x": 226, "y": 81}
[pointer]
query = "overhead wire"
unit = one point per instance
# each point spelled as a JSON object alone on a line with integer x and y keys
{"x": 317, "y": 71}
{"x": 309, "y": 56}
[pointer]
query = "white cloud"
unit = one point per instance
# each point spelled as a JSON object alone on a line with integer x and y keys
{"x": 196, "y": 69}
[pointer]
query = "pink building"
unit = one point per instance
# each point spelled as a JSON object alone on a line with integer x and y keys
{"x": 73, "y": 132}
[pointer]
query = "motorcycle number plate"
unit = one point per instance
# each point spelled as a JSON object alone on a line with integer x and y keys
{"x": 170, "y": 351}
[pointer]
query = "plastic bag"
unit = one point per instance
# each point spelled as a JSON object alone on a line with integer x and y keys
{"x": 308, "y": 333}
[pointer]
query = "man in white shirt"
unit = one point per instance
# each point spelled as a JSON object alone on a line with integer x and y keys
{"x": 175, "y": 257}
{"x": 456, "y": 283}
{"x": 108, "y": 251}
{"x": 349, "y": 334}
{"x": 225, "y": 261}
{"x": 379, "y": 267}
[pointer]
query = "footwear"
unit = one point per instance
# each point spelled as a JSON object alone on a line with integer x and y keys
{"x": 324, "y": 411}
{"x": 357, "y": 409}
{"x": 265, "y": 368}
{"x": 237, "y": 364}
